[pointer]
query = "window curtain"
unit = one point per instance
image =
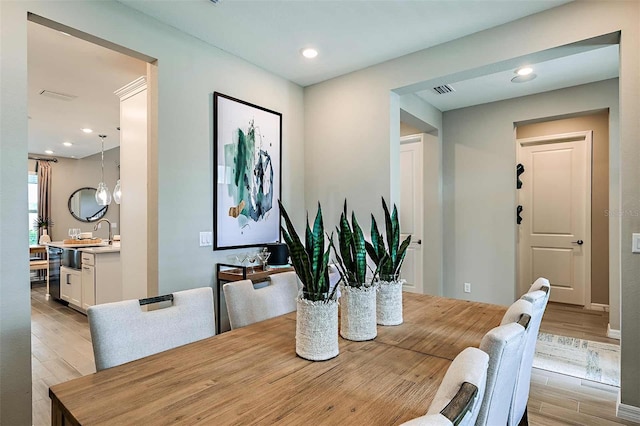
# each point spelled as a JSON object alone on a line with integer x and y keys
{"x": 44, "y": 190}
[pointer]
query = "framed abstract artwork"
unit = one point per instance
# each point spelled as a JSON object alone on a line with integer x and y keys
{"x": 247, "y": 159}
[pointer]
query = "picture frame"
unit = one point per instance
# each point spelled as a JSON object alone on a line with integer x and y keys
{"x": 247, "y": 158}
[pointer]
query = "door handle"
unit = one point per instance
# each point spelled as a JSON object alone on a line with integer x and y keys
{"x": 419, "y": 242}
{"x": 579, "y": 242}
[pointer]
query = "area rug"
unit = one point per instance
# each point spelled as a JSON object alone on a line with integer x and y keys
{"x": 595, "y": 361}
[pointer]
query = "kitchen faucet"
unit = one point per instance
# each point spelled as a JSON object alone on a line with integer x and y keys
{"x": 95, "y": 228}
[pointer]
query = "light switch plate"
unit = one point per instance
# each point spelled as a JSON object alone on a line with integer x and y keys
{"x": 635, "y": 243}
{"x": 206, "y": 238}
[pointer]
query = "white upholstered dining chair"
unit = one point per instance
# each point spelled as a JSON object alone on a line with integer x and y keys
{"x": 123, "y": 332}
{"x": 460, "y": 394}
{"x": 538, "y": 296}
{"x": 247, "y": 305}
{"x": 504, "y": 345}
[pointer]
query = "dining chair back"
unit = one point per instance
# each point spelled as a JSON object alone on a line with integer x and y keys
{"x": 123, "y": 332}
{"x": 538, "y": 296}
{"x": 460, "y": 394}
{"x": 247, "y": 305}
{"x": 504, "y": 345}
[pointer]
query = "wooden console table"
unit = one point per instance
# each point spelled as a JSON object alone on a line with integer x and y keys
{"x": 236, "y": 273}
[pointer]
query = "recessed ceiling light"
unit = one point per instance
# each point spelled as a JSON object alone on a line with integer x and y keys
{"x": 48, "y": 151}
{"x": 67, "y": 143}
{"x": 523, "y": 78}
{"x": 309, "y": 53}
{"x": 524, "y": 71}
{"x": 87, "y": 130}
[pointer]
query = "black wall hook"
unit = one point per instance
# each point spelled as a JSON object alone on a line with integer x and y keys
{"x": 518, "y": 217}
{"x": 519, "y": 171}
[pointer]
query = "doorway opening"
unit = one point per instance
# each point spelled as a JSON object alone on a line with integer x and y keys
{"x": 561, "y": 202}
{"x": 72, "y": 80}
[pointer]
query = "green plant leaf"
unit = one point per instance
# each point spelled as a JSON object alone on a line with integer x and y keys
{"x": 402, "y": 251}
{"x": 297, "y": 251}
{"x": 389, "y": 229}
{"x": 376, "y": 240}
{"x": 395, "y": 237}
{"x": 308, "y": 242}
{"x": 345, "y": 240}
{"x": 372, "y": 253}
{"x": 359, "y": 251}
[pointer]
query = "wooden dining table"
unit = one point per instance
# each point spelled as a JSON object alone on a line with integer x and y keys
{"x": 252, "y": 375}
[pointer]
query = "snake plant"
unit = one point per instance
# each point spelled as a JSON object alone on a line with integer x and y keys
{"x": 352, "y": 254}
{"x": 387, "y": 259}
{"x": 310, "y": 260}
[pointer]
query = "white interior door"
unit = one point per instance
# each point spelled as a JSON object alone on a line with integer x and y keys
{"x": 411, "y": 209}
{"x": 554, "y": 236}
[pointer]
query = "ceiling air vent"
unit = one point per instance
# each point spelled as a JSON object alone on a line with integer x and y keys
{"x": 58, "y": 96}
{"x": 444, "y": 89}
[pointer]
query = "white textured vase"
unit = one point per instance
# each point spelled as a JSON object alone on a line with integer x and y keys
{"x": 44, "y": 238}
{"x": 389, "y": 302}
{"x": 317, "y": 330}
{"x": 358, "y": 312}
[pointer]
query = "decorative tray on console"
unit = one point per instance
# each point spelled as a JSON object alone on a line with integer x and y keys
{"x": 84, "y": 242}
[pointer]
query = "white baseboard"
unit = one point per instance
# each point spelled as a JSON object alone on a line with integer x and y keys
{"x": 627, "y": 412}
{"x": 613, "y": 333}
{"x": 599, "y": 307}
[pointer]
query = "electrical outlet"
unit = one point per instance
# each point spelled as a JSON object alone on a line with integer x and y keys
{"x": 467, "y": 287}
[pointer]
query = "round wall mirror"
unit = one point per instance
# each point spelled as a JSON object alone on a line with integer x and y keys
{"x": 83, "y": 205}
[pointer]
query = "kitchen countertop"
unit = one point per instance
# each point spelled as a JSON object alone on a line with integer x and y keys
{"x": 103, "y": 247}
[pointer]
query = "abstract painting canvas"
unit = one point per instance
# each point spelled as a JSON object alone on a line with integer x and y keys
{"x": 247, "y": 156}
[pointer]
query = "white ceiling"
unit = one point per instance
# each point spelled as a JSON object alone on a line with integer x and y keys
{"x": 68, "y": 65}
{"x": 581, "y": 68}
{"x": 350, "y": 35}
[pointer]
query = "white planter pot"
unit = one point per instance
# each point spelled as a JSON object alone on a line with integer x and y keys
{"x": 389, "y": 302}
{"x": 44, "y": 238}
{"x": 317, "y": 330}
{"x": 358, "y": 313}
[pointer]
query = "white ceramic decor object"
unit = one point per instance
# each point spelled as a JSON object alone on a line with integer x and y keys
{"x": 44, "y": 238}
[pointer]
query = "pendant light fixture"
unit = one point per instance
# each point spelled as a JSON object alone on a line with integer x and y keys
{"x": 103, "y": 196}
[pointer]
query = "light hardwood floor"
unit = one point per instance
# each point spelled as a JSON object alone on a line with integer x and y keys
{"x": 60, "y": 350}
{"x": 61, "y": 347}
{"x": 556, "y": 399}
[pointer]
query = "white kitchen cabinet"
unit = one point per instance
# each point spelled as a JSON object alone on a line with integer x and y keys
{"x": 88, "y": 286}
{"x": 101, "y": 277}
{"x": 71, "y": 286}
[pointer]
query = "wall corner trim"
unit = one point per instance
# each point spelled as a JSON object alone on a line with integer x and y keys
{"x": 612, "y": 333}
{"x": 627, "y": 412}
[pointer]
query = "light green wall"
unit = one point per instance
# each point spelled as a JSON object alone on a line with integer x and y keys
{"x": 353, "y": 116}
{"x": 432, "y": 238}
{"x": 479, "y": 186}
{"x": 189, "y": 72}
{"x": 15, "y": 325}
